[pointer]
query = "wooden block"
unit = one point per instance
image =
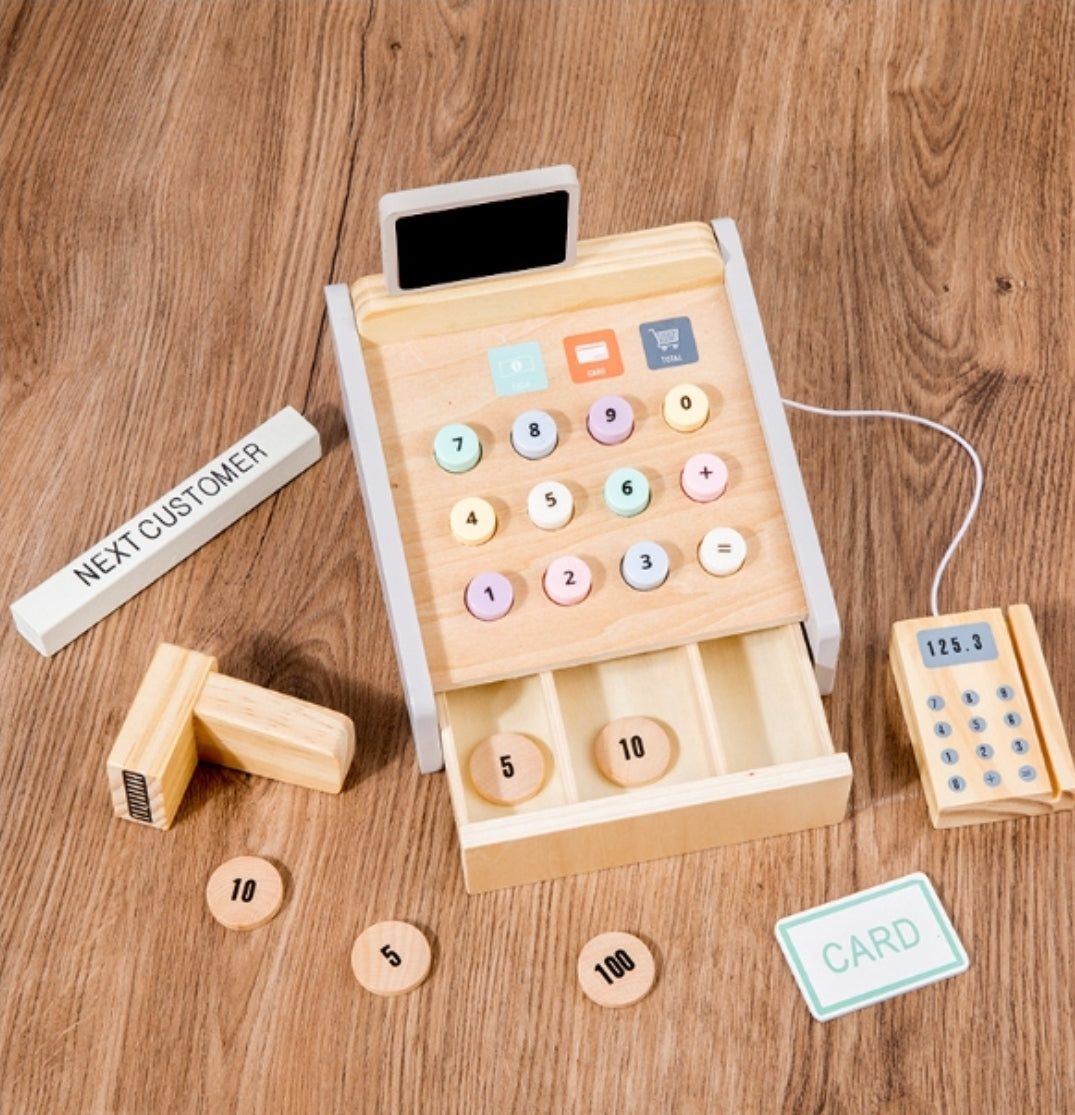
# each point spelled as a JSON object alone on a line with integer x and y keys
{"x": 249, "y": 728}
{"x": 154, "y": 754}
{"x": 185, "y": 711}
{"x": 982, "y": 716}
{"x": 168, "y": 530}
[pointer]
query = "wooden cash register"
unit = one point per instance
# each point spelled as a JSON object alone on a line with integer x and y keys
{"x": 610, "y": 610}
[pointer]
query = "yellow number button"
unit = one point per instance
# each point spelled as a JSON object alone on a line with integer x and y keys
{"x": 473, "y": 521}
{"x": 686, "y": 408}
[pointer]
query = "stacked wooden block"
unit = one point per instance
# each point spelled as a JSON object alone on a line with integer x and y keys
{"x": 186, "y": 712}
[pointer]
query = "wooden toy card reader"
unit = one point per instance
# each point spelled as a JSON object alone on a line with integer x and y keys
{"x": 983, "y": 716}
{"x": 595, "y": 547}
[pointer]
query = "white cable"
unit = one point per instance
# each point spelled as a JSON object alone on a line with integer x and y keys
{"x": 961, "y": 441}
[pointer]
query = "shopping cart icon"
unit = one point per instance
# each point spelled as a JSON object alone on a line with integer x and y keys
{"x": 665, "y": 339}
{"x": 669, "y": 342}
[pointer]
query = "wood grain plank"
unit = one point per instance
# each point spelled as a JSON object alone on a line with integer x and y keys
{"x": 179, "y": 182}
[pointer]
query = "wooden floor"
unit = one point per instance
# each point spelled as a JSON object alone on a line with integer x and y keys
{"x": 179, "y": 181}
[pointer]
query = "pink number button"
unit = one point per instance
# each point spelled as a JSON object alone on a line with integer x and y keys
{"x": 489, "y": 596}
{"x": 611, "y": 420}
{"x": 567, "y": 581}
{"x": 704, "y": 477}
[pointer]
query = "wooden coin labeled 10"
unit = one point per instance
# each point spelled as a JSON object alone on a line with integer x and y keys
{"x": 245, "y": 893}
{"x": 633, "y": 751}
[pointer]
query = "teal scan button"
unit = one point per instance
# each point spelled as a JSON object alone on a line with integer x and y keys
{"x": 518, "y": 369}
{"x": 669, "y": 342}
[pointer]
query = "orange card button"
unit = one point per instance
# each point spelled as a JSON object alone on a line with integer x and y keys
{"x": 593, "y": 356}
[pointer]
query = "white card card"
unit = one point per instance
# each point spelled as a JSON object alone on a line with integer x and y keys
{"x": 871, "y": 946}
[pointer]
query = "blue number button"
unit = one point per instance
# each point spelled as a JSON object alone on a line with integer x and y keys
{"x": 976, "y": 724}
{"x": 1020, "y": 746}
{"x": 935, "y": 703}
{"x": 969, "y": 697}
{"x": 1012, "y": 719}
{"x": 534, "y": 434}
{"x": 984, "y": 751}
{"x": 942, "y": 729}
{"x": 1005, "y": 692}
{"x": 950, "y": 756}
{"x": 645, "y": 566}
{"x": 957, "y": 783}
{"x": 457, "y": 448}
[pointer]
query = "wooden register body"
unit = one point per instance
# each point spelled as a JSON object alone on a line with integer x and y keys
{"x": 720, "y": 663}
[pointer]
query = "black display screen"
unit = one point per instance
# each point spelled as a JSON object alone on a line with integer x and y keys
{"x": 478, "y": 241}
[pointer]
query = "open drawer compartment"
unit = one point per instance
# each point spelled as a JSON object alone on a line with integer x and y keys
{"x": 749, "y": 756}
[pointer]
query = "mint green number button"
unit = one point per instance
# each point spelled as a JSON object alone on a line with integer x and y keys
{"x": 457, "y": 448}
{"x": 627, "y": 492}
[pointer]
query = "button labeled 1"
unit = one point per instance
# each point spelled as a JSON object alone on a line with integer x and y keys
{"x": 489, "y": 596}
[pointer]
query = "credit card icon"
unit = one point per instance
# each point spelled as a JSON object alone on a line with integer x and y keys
{"x": 592, "y": 353}
{"x": 593, "y": 356}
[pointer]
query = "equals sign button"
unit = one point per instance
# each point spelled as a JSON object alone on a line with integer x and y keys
{"x": 722, "y": 552}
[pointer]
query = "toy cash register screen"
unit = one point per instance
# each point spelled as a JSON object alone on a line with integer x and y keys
{"x": 947, "y": 646}
{"x": 478, "y": 241}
